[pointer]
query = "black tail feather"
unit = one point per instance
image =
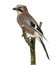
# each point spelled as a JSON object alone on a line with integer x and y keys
{"x": 44, "y": 48}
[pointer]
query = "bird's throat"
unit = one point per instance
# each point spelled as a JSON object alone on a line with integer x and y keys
{"x": 19, "y": 13}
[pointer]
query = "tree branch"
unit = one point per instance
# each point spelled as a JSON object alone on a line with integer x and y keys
{"x": 31, "y": 43}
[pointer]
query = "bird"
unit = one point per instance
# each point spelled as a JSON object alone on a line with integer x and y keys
{"x": 24, "y": 19}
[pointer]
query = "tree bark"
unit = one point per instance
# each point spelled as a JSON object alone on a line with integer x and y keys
{"x": 32, "y": 50}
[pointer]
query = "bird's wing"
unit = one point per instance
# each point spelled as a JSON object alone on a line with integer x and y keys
{"x": 33, "y": 23}
{"x": 37, "y": 29}
{"x": 34, "y": 26}
{"x": 31, "y": 18}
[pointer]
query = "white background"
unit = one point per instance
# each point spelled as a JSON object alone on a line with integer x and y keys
{"x": 13, "y": 48}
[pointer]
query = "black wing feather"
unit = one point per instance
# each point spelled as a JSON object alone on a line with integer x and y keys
{"x": 37, "y": 27}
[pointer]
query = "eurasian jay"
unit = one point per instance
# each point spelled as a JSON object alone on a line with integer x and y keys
{"x": 25, "y": 20}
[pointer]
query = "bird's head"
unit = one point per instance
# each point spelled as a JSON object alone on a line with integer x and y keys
{"x": 20, "y": 9}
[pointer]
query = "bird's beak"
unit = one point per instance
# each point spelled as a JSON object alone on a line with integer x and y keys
{"x": 18, "y": 9}
{"x": 14, "y": 8}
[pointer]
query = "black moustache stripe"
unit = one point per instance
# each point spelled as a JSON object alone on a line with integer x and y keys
{"x": 20, "y": 10}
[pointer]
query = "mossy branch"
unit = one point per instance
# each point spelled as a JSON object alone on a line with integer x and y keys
{"x": 31, "y": 43}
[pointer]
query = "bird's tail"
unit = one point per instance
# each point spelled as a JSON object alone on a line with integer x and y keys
{"x": 40, "y": 38}
{"x": 44, "y": 37}
{"x": 44, "y": 49}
